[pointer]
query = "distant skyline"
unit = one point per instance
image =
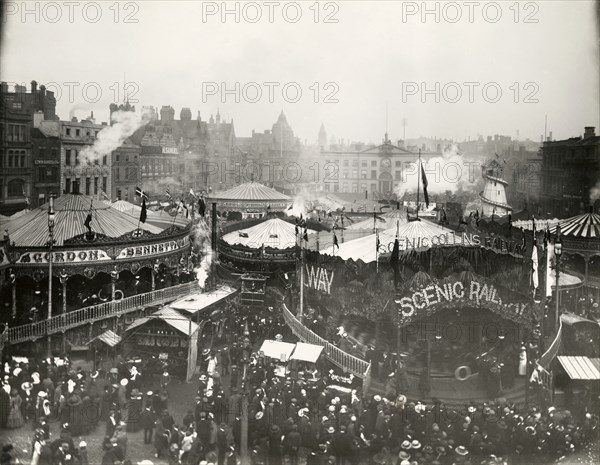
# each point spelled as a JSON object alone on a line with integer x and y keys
{"x": 371, "y": 57}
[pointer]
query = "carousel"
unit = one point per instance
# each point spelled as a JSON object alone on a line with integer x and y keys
{"x": 96, "y": 253}
{"x": 249, "y": 200}
{"x": 159, "y": 218}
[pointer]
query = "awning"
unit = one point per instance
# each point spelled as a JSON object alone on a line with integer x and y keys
{"x": 307, "y": 352}
{"x": 196, "y": 302}
{"x": 172, "y": 318}
{"x": 580, "y": 367}
{"x": 277, "y": 349}
{"x": 109, "y": 337}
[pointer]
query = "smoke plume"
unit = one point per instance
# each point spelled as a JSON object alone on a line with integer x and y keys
{"x": 124, "y": 124}
{"x": 202, "y": 246}
{"x": 595, "y": 193}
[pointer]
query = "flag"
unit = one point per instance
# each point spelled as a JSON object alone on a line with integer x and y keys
{"x": 305, "y": 234}
{"x": 335, "y": 241}
{"x": 201, "y": 206}
{"x": 169, "y": 196}
{"x": 88, "y": 222}
{"x": 534, "y": 259}
{"x": 140, "y": 193}
{"x": 425, "y": 184}
{"x": 143, "y": 213}
{"x": 291, "y": 205}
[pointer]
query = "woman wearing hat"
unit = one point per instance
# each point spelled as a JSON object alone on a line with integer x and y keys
{"x": 15, "y": 418}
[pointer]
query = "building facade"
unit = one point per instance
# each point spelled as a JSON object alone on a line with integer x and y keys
{"x": 126, "y": 173}
{"x": 17, "y": 107}
{"x": 45, "y": 154}
{"x": 570, "y": 171}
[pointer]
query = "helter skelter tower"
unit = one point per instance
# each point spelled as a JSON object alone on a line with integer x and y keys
{"x": 493, "y": 197}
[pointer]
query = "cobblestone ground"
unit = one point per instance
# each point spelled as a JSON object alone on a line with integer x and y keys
{"x": 182, "y": 396}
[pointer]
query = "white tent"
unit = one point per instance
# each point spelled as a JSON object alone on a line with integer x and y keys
{"x": 277, "y": 349}
{"x": 275, "y": 233}
{"x": 196, "y": 302}
{"x": 417, "y": 235}
{"x": 307, "y": 352}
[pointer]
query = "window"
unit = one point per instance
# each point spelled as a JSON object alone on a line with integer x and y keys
{"x": 67, "y": 185}
{"x": 118, "y": 194}
{"x": 354, "y": 174}
{"x": 68, "y": 157}
{"x": 355, "y": 163}
{"x": 17, "y": 105}
{"x": 373, "y": 174}
{"x": 10, "y": 158}
{"x": 355, "y": 187}
{"x": 346, "y": 163}
{"x": 374, "y": 163}
{"x": 398, "y": 175}
{"x": 363, "y": 187}
{"x": 68, "y": 131}
{"x": 363, "y": 164}
{"x": 87, "y": 133}
{"x": 398, "y": 163}
{"x": 118, "y": 157}
{"x": 76, "y": 186}
{"x": 104, "y": 159}
{"x": 16, "y": 188}
{"x": 87, "y": 186}
{"x": 22, "y": 158}
{"x": 77, "y": 132}
{"x": 345, "y": 187}
{"x": 76, "y": 154}
{"x": 104, "y": 183}
{"x": 363, "y": 174}
{"x": 117, "y": 174}
{"x": 345, "y": 174}
{"x": 96, "y": 185}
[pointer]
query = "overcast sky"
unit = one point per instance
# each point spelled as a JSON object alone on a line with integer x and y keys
{"x": 543, "y": 54}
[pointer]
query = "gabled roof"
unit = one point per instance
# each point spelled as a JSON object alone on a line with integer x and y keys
{"x": 172, "y": 317}
{"x": 250, "y": 191}
{"x": 31, "y": 228}
{"x": 387, "y": 148}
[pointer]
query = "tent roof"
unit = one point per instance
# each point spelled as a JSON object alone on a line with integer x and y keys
{"x": 307, "y": 352}
{"x": 274, "y": 233}
{"x": 275, "y": 349}
{"x": 250, "y": 191}
{"x": 159, "y": 218}
{"x": 364, "y": 247}
{"x": 170, "y": 316}
{"x": 390, "y": 219}
{"x": 580, "y": 367}
{"x": 196, "y": 302}
{"x": 109, "y": 337}
{"x": 583, "y": 226}
{"x": 31, "y": 228}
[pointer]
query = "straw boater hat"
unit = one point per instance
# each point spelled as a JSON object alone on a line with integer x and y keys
{"x": 461, "y": 450}
{"x": 259, "y": 415}
{"x": 331, "y": 430}
{"x": 415, "y": 444}
{"x": 124, "y": 382}
{"x": 403, "y": 455}
{"x": 405, "y": 445}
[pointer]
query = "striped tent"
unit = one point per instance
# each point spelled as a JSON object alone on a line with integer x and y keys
{"x": 159, "y": 218}
{"x": 274, "y": 233}
{"x": 250, "y": 191}
{"x": 31, "y": 228}
{"x": 390, "y": 219}
{"x": 580, "y": 226}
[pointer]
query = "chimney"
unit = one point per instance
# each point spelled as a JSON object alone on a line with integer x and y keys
{"x": 590, "y": 131}
{"x": 550, "y": 136}
{"x": 33, "y": 87}
{"x": 43, "y": 90}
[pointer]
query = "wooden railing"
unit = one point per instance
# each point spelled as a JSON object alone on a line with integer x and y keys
{"x": 345, "y": 361}
{"x": 86, "y": 315}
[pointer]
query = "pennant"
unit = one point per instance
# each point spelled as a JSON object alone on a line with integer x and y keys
{"x": 169, "y": 196}
{"x": 192, "y": 193}
{"x": 290, "y": 206}
{"x": 335, "y": 241}
{"x": 88, "y": 222}
{"x": 140, "y": 193}
{"x": 305, "y": 234}
{"x": 425, "y": 184}
{"x": 201, "y": 206}
{"x": 143, "y": 213}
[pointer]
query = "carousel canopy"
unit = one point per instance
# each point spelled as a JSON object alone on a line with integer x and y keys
{"x": 540, "y": 225}
{"x": 196, "y": 302}
{"x": 580, "y": 226}
{"x": 31, "y": 228}
{"x": 170, "y": 316}
{"x": 580, "y": 367}
{"x": 274, "y": 233}
{"x": 250, "y": 191}
{"x": 410, "y": 235}
{"x": 157, "y": 218}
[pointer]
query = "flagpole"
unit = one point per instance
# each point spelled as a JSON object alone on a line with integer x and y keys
{"x": 418, "y": 182}
{"x": 301, "y": 309}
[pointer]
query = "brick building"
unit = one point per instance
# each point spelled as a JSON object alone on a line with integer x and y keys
{"x": 17, "y": 107}
{"x": 570, "y": 169}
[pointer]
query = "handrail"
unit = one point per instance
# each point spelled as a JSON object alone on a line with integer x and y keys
{"x": 65, "y": 321}
{"x": 345, "y": 361}
{"x": 552, "y": 351}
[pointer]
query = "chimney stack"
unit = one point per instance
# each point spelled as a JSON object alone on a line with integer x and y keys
{"x": 590, "y": 131}
{"x": 33, "y": 87}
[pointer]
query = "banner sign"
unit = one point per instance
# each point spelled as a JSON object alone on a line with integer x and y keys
{"x": 451, "y": 239}
{"x": 64, "y": 257}
{"x": 152, "y": 249}
{"x": 454, "y": 294}
{"x": 318, "y": 278}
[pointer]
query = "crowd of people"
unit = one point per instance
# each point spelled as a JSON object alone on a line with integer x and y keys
{"x": 306, "y": 412}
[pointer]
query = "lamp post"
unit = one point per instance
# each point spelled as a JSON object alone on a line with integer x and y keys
{"x": 557, "y": 253}
{"x": 51, "y": 218}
